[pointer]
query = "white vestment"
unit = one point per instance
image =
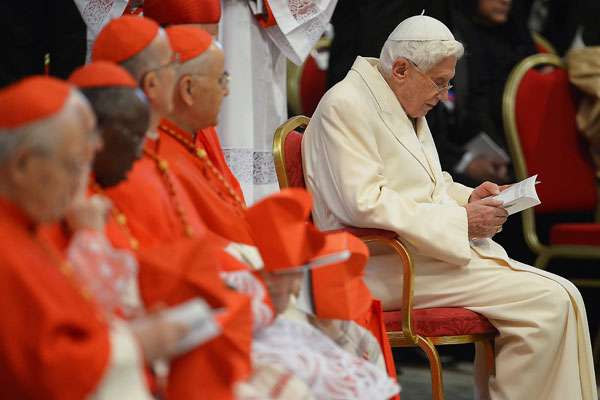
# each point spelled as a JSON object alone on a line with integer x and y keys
{"x": 257, "y": 103}
{"x": 96, "y": 14}
{"x": 367, "y": 166}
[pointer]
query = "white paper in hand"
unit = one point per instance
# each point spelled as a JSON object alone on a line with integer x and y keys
{"x": 519, "y": 196}
{"x": 199, "y": 318}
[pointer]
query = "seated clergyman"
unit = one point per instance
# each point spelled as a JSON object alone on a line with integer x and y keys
{"x": 370, "y": 161}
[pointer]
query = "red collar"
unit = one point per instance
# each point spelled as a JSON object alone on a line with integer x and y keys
{"x": 15, "y": 214}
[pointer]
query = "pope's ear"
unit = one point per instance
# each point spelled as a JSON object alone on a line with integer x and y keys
{"x": 185, "y": 88}
{"x": 400, "y": 69}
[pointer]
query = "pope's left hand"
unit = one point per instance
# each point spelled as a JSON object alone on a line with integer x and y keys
{"x": 486, "y": 189}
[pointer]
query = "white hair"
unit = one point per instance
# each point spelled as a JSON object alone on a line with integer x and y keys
{"x": 42, "y": 136}
{"x": 423, "y": 53}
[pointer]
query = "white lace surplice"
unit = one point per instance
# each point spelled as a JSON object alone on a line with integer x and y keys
{"x": 328, "y": 370}
{"x": 331, "y": 373}
{"x": 300, "y": 24}
{"x": 96, "y": 14}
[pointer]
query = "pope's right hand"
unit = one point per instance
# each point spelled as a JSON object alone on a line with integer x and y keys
{"x": 485, "y": 218}
{"x": 157, "y": 336}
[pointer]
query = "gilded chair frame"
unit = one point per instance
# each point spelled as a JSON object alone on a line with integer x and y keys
{"x": 544, "y": 252}
{"x": 543, "y": 42}
{"x": 406, "y": 337}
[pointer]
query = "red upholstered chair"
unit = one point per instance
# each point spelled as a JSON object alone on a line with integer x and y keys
{"x": 539, "y": 120}
{"x": 306, "y": 84}
{"x": 408, "y": 327}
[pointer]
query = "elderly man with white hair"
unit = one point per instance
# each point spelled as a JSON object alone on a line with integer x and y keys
{"x": 370, "y": 161}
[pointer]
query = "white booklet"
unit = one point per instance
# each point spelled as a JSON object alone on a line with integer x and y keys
{"x": 483, "y": 146}
{"x": 199, "y": 318}
{"x": 519, "y": 196}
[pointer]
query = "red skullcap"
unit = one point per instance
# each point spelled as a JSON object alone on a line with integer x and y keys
{"x": 31, "y": 100}
{"x": 189, "y": 42}
{"x": 167, "y": 12}
{"x": 280, "y": 229}
{"x": 102, "y": 74}
{"x": 123, "y": 38}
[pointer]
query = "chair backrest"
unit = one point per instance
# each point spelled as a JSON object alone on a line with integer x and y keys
{"x": 287, "y": 152}
{"x": 307, "y": 83}
{"x": 542, "y": 45}
{"x": 539, "y": 118}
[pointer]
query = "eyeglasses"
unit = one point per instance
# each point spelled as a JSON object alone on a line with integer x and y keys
{"x": 223, "y": 80}
{"x": 438, "y": 88}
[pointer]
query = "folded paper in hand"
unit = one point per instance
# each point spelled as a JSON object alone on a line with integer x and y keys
{"x": 519, "y": 196}
{"x": 483, "y": 146}
{"x": 199, "y": 318}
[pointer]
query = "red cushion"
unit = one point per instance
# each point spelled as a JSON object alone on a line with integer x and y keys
{"x": 582, "y": 233}
{"x": 446, "y": 321}
{"x": 552, "y": 146}
{"x": 312, "y": 86}
{"x": 293, "y": 159}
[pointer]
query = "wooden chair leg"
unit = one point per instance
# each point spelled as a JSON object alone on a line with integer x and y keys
{"x": 484, "y": 368}
{"x": 435, "y": 365}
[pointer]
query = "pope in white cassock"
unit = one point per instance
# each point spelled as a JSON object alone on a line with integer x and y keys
{"x": 370, "y": 161}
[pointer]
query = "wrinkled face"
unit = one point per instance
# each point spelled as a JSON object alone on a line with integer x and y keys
{"x": 47, "y": 181}
{"x": 494, "y": 11}
{"x": 419, "y": 91}
{"x": 208, "y": 90}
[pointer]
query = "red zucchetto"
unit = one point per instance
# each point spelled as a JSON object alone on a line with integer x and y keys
{"x": 102, "y": 74}
{"x": 172, "y": 12}
{"x": 31, "y": 100}
{"x": 188, "y": 41}
{"x": 123, "y": 38}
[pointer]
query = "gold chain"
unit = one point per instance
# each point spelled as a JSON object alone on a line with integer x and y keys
{"x": 121, "y": 219}
{"x": 201, "y": 154}
{"x": 163, "y": 167}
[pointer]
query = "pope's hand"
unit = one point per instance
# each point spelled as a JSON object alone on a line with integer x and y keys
{"x": 485, "y": 217}
{"x": 157, "y": 336}
{"x": 484, "y": 190}
{"x": 88, "y": 213}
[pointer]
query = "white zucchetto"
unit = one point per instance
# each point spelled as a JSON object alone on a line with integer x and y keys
{"x": 421, "y": 28}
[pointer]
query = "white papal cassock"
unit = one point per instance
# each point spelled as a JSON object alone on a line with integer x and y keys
{"x": 367, "y": 166}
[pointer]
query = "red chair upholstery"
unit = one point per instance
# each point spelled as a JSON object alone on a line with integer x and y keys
{"x": 579, "y": 234}
{"x": 545, "y": 115}
{"x": 408, "y": 327}
{"x": 436, "y": 322}
{"x": 293, "y": 159}
{"x": 539, "y": 118}
{"x": 313, "y": 84}
{"x": 307, "y": 83}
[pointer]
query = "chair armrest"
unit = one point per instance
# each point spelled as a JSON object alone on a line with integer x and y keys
{"x": 390, "y": 239}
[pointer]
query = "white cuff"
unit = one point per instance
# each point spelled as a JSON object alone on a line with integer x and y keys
{"x": 124, "y": 375}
